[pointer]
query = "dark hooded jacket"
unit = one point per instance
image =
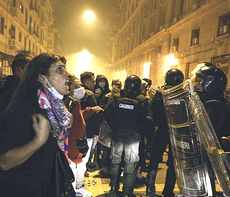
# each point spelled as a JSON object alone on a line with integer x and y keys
{"x": 101, "y": 98}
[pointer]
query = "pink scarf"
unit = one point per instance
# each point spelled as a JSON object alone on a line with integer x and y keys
{"x": 59, "y": 117}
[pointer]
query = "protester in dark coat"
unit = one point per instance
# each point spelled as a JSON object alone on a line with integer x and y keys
{"x": 31, "y": 161}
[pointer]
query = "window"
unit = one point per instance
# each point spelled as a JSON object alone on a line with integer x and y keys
{"x": 30, "y": 25}
{"x": 182, "y": 3}
{"x": 20, "y": 36}
{"x": 12, "y": 32}
{"x": 31, "y": 4}
{"x": 154, "y": 4}
{"x": 224, "y": 23}
{"x": 195, "y": 37}
{"x": 29, "y": 45}
{"x": 2, "y": 24}
{"x": 14, "y": 3}
{"x": 26, "y": 16}
{"x": 25, "y": 41}
{"x": 197, "y": 4}
{"x": 175, "y": 45}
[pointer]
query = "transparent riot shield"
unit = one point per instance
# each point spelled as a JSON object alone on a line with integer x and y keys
{"x": 189, "y": 157}
{"x": 218, "y": 158}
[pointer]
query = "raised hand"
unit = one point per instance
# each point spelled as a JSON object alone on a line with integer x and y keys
{"x": 41, "y": 127}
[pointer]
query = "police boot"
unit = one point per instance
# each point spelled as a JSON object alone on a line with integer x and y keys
{"x": 170, "y": 182}
{"x": 114, "y": 180}
{"x": 150, "y": 189}
{"x": 129, "y": 179}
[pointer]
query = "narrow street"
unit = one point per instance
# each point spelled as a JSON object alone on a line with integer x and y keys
{"x": 99, "y": 186}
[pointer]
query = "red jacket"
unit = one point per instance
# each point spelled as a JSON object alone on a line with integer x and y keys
{"x": 77, "y": 131}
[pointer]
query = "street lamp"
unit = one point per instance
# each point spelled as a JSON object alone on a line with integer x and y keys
{"x": 170, "y": 61}
{"x": 89, "y": 16}
{"x": 84, "y": 59}
{"x": 80, "y": 62}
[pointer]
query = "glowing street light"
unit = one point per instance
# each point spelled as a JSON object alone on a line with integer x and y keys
{"x": 171, "y": 60}
{"x": 80, "y": 62}
{"x": 84, "y": 58}
{"x": 89, "y": 16}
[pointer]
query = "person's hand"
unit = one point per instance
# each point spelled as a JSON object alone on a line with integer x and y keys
{"x": 226, "y": 138}
{"x": 97, "y": 109}
{"x": 41, "y": 127}
{"x": 215, "y": 151}
{"x": 115, "y": 91}
{"x": 151, "y": 92}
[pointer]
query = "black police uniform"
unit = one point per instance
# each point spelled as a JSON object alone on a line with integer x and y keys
{"x": 125, "y": 116}
{"x": 211, "y": 87}
{"x": 159, "y": 145}
{"x": 161, "y": 139}
{"x": 213, "y": 82}
{"x": 146, "y": 138}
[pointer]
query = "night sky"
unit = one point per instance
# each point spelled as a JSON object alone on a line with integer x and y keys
{"x": 75, "y": 35}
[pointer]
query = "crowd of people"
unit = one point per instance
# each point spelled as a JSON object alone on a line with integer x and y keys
{"x": 56, "y": 128}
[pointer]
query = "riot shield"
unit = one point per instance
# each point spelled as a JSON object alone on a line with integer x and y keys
{"x": 189, "y": 158}
{"x": 190, "y": 127}
{"x": 218, "y": 158}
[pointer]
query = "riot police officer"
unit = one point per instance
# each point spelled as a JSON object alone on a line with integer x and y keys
{"x": 173, "y": 77}
{"x": 104, "y": 140}
{"x": 210, "y": 84}
{"x": 146, "y": 137}
{"x": 124, "y": 115}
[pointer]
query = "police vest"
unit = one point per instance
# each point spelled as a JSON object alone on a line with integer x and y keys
{"x": 126, "y": 117}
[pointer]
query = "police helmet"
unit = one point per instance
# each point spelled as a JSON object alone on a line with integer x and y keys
{"x": 212, "y": 79}
{"x": 174, "y": 77}
{"x": 132, "y": 86}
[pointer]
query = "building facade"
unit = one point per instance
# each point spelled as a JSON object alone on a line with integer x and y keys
{"x": 192, "y": 30}
{"x": 25, "y": 25}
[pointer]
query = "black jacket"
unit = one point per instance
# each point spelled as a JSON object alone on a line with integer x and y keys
{"x": 94, "y": 121}
{"x": 46, "y": 173}
{"x": 219, "y": 114}
{"x": 8, "y": 86}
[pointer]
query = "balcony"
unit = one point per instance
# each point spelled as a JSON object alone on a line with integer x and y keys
{"x": 12, "y": 44}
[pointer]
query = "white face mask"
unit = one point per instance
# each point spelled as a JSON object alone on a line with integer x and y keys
{"x": 79, "y": 93}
